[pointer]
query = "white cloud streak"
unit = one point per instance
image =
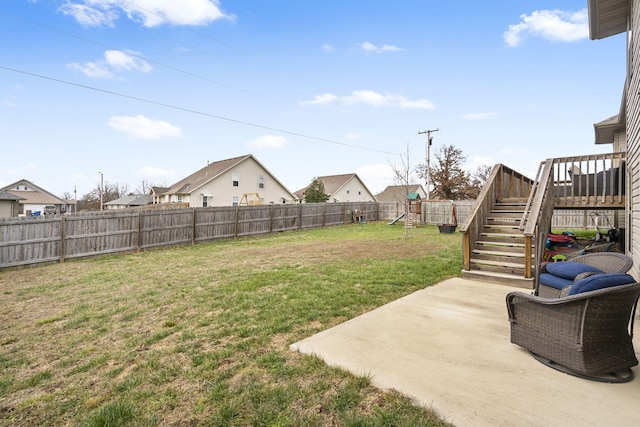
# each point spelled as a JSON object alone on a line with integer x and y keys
{"x": 370, "y": 47}
{"x": 552, "y": 25}
{"x": 371, "y": 98}
{"x": 268, "y": 141}
{"x": 327, "y": 48}
{"x": 114, "y": 60}
{"x": 150, "y": 13}
{"x": 141, "y": 127}
{"x": 480, "y": 116}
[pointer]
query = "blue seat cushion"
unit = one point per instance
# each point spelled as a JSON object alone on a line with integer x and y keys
{"x": 600, "y": 281}
{"x": 554, "y": 281}
{"x": 570, "y": 269}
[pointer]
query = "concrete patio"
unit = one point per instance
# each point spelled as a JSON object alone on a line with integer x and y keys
{"x": 447, "y": 346}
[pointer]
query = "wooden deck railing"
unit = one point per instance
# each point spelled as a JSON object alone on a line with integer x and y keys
{"x": 589, "y": 181}
{"x": 503, "y": 183}
{"x": 586, "y": 182}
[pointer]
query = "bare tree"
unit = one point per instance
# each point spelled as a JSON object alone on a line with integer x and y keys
{"x": 478, "y": 179}
{"x": 402, "y": 174}
{"x": 91, "y": 200}
{"x": 144, "y": 187}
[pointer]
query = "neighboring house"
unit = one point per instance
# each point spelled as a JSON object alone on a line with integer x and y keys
{"x": 223, "y": 183}
{"x": 157, "y": 192}
{"x": 130, "y": 201}
{"x": 342, "y": 188}
{"x": 608, "y": 18}
{"x": 9, "y": 206}
{"x": 36, "y": 200}
{"x": 398, "y": 193}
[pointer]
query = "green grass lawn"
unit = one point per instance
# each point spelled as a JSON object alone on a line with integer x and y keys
{"x": 200, "y": 335}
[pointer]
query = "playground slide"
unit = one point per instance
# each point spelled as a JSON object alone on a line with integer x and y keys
{"x": 397, "y": 219}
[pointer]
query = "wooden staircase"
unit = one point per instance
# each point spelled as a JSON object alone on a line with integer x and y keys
{"x": 498, "y": 253}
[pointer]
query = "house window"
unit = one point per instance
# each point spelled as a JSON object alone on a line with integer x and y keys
{"x": 348, "y": 191}
{"x": 179, "y": 198}
{"x": 359, "y": 192}
{"x": 261, "y": 182}
{"x": 234, "y": 202}
{"x": 235, "y": 180}
{"x": 205, "y": 201}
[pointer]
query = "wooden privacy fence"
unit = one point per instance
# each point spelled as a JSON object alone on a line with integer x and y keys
{"x": 35, "y": 240}
{"x": 433, "y": 211}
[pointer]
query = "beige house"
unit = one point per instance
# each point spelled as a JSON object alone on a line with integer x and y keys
{"x": 224, "y": 183}
{"x": 36, "y": 200}
{"x": 342, "y": 188}
{"x": 9, "y": 206}
{"x": 609, "y": 18}
{"x": 399, "y": 193}
{"x": 130, "y": 201}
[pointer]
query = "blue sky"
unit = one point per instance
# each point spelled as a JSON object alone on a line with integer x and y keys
{"x": 153, "y": 89}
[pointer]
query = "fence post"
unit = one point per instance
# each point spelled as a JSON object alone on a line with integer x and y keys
{"x": 62, "y": 237}
{"x": 235, "y": 227}
{"x": 300, "y": 216}
{"x": 270, "y": 219}
{"x": 193, "y": 230}
{"x": 324, "y": 214}
{"x": 139, "y": 231}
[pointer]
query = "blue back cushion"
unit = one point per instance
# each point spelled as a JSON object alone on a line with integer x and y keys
{"x": 554, "y": 281}
{"x": 570, "y": 269}
{"x": 600, "y": 281}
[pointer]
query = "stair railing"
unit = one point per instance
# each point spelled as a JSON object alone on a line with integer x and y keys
{"x": 503, "y": 182}
{"x": 536, "y": 219}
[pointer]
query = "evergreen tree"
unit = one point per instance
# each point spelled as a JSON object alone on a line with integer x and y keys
{"x": 315, "y": 192}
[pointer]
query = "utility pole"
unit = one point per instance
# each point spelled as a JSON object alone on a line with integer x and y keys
{"x": 101, "y": 190}
{"x": 429, "y": 140}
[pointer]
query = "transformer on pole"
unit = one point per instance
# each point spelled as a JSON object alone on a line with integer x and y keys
{"x": 428, "y": 171}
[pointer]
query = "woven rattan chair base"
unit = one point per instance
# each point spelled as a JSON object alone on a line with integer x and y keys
{"x": 622, "y": 376}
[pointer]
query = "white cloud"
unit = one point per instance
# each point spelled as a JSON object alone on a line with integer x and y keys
{"x": 370, "y": 97}
{"x": 127, "y": 60}
{"x": 154, "y": 172}
{"x": 376, "y": 176}
{"x": 89, "y": 15}
{"x": 151, "y": 13}
{"x": 268, "y": 141}
{"x": 352, "y": 136}
{"x": 323, "y": 99}
{"x": 370, "y": 47}
{"x": 480, "y": 116}
{"x": 114, "y": 60}
{"x": 92, "y": 69}
{"x": 552, "y": 25}
{"x": 327, "y": 48}
{"x": 141, "y": 127}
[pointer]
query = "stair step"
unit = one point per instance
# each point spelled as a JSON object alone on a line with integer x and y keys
{"x": 503, "y": 226}
{"x": 502, "y": 235}
{"x": 489, "y": 243}
{"x": 499, "y": 253}
{"x": 497, "y": 263}
{"x": 499, "y": 278}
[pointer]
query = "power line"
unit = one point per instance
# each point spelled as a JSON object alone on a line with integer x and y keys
{"x": 192, "y": 111}
{"x": 133, "y": 54}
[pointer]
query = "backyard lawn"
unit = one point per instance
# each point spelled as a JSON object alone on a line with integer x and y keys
{"x": 200, "y": 335}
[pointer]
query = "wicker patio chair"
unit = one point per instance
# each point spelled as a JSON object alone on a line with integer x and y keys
{"x": 607, "y": 262}
{"x": 588, "y": 334}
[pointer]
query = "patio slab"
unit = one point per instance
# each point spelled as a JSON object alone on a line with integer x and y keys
{"x": 447, "y": 347}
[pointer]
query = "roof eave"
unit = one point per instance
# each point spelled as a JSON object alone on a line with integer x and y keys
{"x": 607, "y": 18}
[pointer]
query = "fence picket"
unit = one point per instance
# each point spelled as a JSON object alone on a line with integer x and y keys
{"x": 26, "y": 241}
